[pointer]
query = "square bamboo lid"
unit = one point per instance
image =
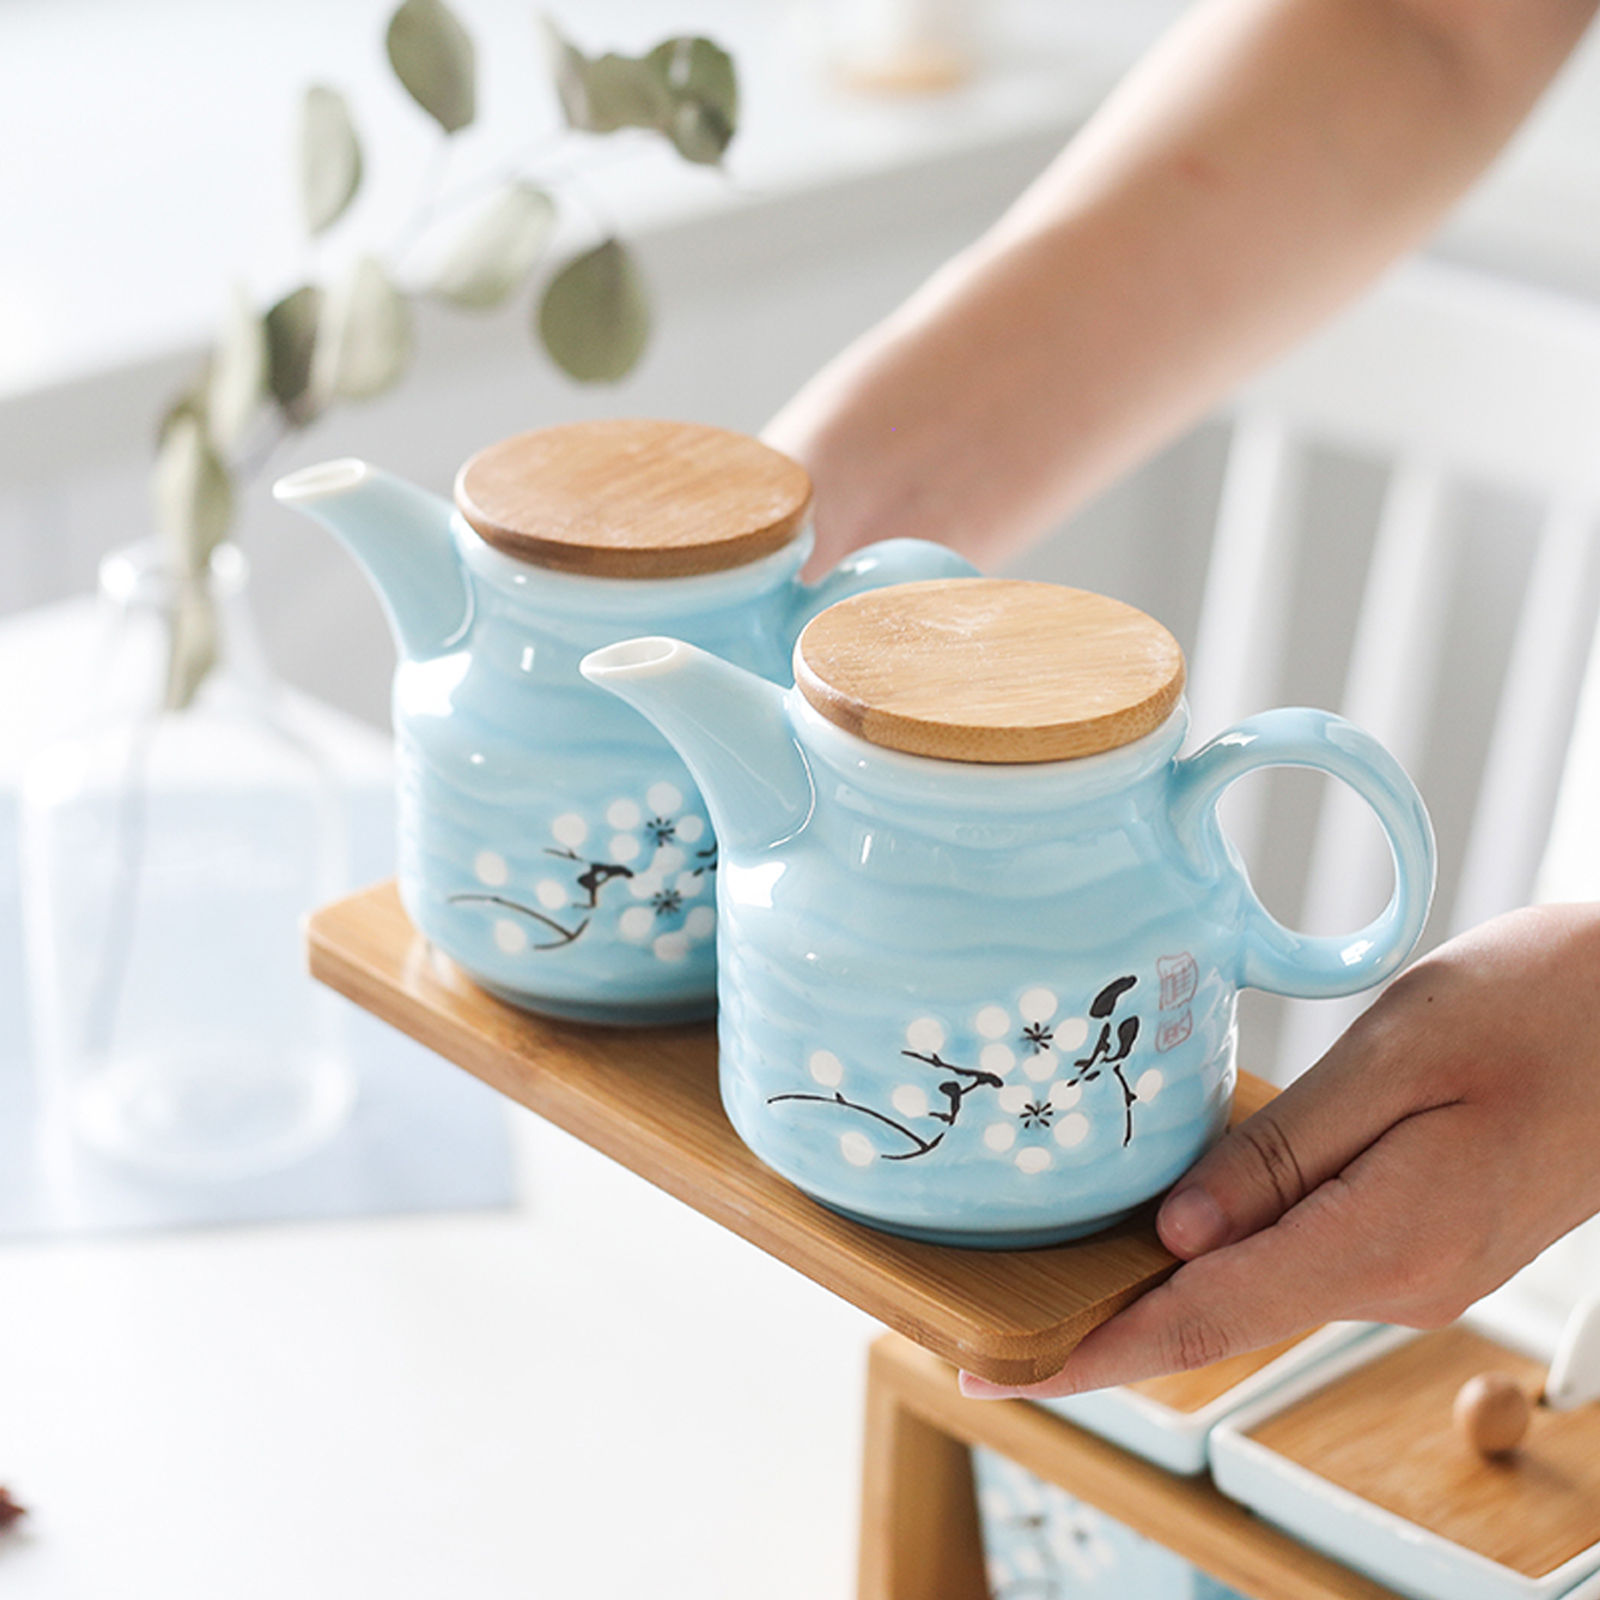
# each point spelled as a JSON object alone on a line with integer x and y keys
{"x": 1384, "y": 1432}
{"x": 990, "y": 670}
{"x": 632, "y": 498}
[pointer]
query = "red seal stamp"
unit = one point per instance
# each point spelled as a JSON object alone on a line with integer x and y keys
{"x": 1175, "y": 1030}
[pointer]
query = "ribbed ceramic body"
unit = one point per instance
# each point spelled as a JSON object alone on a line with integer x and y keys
{"x": 552, "y": 842}
{"x": 967, "y": 1001}
{"x": 993, "y": 1004}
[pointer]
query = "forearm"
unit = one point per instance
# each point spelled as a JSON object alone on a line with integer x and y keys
{"x": 1261, "y": 165}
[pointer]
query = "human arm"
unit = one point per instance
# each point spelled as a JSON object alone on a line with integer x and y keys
{"x": 1449, "y": 1136}
{"x": 1262, "y": 164}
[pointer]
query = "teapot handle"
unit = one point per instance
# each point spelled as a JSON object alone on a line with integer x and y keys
{"x": 876, "y": 566}
{"x": 1274, "y": 957}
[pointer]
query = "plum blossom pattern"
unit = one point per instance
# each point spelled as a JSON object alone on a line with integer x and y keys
{"x": 1041, "y": 1543}
{"x": 663, "y": 854}
{"x": 1039, "y": 1540}
{"x": 1044, "y": 1098}
{"x": 1034, "y": 1066}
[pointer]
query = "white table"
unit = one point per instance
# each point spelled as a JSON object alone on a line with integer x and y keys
{"x": 414, "y": 1406}
{"x": 431, "y": 1407}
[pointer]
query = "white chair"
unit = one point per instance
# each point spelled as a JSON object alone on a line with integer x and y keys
{"x": 1482, "y": 402}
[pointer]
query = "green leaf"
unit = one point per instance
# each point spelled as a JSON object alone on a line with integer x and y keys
{"x": 699, "y": 77}
{"x": 594, "y": 318}
{"x": 567, "y": 64}
{"x": 497, "y": 249}
{"x": 698, "y": 133}
{"x": 238, "y": 373}
{"x": 364, "y": 344}
{"x": 190, "y": 404}
{"x": 685, "y": 89}
{"x": 618, "y": 92}
{"x": 191, "y": 494}
{"x": 291, "y": 344}
{"x": 433, "y": 57}
{"x": 191, "y": 645}
{"x": 330, "y": 157}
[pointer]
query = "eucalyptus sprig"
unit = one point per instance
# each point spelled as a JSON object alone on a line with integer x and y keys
{"x": 276, "y": 370}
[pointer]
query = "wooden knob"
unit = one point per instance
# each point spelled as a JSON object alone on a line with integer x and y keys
{"x": 1492, "y": 1411}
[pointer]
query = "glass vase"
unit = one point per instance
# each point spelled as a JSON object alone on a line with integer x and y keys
{"x": 169, "y": 856}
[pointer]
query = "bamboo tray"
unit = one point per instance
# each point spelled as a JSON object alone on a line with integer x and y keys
{"x": 1009, "y": 1316}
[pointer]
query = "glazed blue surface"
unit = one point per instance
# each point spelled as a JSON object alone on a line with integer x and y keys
{"x": 1041, "y": 1543}
{"x": 552, "y": 843}
{"x": 993, "y": 1005}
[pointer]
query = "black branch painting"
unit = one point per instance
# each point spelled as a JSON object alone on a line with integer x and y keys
{"x": 566, "y": 911}
{"x": 1044, "y": 1044}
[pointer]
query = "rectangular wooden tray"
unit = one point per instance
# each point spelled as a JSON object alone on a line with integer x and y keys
{"x": 650, "y": 1100}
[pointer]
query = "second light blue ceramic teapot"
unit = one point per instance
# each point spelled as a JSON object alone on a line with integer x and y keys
{"x": 980, "y": 933}
{"x": 551, "y": 841}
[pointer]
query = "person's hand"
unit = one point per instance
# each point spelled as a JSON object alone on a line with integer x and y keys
{"x": 1449, "y": 1136}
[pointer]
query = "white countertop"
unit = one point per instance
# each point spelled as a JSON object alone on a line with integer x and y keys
{"x": 604, "y": 1396}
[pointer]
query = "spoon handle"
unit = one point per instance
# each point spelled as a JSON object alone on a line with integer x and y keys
{"x": 1574, "y": 1378}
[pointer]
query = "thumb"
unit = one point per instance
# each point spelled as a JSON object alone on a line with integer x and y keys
{"x": 1273, "y": 1160}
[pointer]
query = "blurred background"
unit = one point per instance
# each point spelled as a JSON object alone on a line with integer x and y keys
{"x": 524, "y": 1373}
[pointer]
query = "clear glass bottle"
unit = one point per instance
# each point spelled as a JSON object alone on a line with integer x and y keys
{"x": 168, "y": 858}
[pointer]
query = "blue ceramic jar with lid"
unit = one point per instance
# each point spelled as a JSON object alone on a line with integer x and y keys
{"x": 980, "y": 933}
{"x": 552, "y": 842}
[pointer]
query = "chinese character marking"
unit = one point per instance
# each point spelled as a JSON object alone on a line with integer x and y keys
{"x": 1175, "y": 1030}
{"x": 1179, "y": 979}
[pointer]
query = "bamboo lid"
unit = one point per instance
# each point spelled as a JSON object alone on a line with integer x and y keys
{"x": 990, "y": 669}
{"x": 1385, "y": 1433}
{"x": 633, "y": 498}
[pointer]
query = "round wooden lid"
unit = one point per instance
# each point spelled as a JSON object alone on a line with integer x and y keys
{"x": 990, "y": 669}
{"x": 634, "y": 499}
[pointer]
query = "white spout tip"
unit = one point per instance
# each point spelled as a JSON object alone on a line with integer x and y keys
{"x": 634, "y": 658}
{"x": 321, "y": 482}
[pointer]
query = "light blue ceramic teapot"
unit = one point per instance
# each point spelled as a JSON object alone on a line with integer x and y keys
{"x": 551, "y": 841}
{"x": 990, "y": 1000}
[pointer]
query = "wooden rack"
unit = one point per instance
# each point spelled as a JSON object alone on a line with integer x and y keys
{"x": 919, "y": 1520}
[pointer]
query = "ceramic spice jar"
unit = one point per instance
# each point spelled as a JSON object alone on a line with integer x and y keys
{"x": 1363, "y": 1458}
{"x": 551, "y": 841}
{"x": 980, "y": 931}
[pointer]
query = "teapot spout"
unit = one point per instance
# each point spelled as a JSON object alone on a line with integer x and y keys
{"x": 729, "y": 727}
{"x": 400, "y": 535}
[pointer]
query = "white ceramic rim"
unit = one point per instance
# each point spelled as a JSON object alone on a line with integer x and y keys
{"x": 996, "y": 785}
{"x": 1231, "y": 1436}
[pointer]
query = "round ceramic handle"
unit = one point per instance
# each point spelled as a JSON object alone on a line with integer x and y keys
{"x": 1275, "y": 957}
